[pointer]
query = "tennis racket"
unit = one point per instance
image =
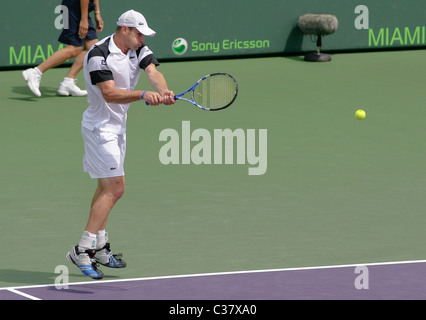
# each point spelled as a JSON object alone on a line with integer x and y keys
{"x": 213, "y": 92}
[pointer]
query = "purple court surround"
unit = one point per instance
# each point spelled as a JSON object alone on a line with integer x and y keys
{"x": 384, "y": 281}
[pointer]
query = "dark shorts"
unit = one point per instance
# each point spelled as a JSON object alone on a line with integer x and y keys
{"x": 70, "y": 35}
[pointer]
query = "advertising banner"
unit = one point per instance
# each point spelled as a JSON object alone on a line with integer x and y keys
{"x": 191, "y": 29}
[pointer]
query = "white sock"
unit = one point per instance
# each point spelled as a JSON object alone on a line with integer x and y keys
{"x": 101, "y": 239}
{"x": 88, "y": 240}
{"x": 68, "y": 80}
{"x": 37, "y": 70}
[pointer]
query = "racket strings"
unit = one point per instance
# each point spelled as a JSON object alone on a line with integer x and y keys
{"x": 215, "y": 92}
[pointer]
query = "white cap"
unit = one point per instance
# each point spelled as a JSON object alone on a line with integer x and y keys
{"x": 135, "y": 19}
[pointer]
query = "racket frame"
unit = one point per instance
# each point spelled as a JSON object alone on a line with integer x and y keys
{"x": 180, "y": 95}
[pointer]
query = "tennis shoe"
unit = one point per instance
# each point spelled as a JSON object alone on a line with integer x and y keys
{"x": 69, "y": 88}
{"x": 33, "y": 81}
{"x": 105, "y": 257}
{"x": 84, "y": 260}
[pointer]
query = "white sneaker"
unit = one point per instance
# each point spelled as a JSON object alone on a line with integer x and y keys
{"x": 105, "y": 257}
{"x": 67, "y": 88}
{"x": 33, "y": 80}
{"x": 84, "y": 260}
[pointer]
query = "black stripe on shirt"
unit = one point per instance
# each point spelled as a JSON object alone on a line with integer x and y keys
{"x": 147, "y": 61}
{"x": 100, "y": 50}
{"x": 101, "y": 76}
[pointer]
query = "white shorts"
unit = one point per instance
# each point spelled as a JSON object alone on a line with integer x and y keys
{"x": 104, "y": 153}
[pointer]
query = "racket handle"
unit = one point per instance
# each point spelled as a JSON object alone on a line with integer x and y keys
{"x": 147, "y": 103}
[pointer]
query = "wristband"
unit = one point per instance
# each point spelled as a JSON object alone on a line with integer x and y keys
{"x": 143, "y": 93}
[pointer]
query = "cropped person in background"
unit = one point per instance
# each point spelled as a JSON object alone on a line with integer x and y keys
{"x": 79, "y": 37}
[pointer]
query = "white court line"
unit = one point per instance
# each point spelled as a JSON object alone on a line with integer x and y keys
{"x": 23, "y": 294}
{"x": 14, "y": 289}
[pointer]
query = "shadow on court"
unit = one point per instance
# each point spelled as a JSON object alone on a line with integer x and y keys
{"x": 26, "y": 277}
{"x": 37, "y": 277}
{"x": 47, "y": 92}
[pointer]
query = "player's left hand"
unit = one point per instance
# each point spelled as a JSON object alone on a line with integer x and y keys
{"x": 168, "y": 98}
{"x": 99, "y": 23}
{"x": 84, "y": 27}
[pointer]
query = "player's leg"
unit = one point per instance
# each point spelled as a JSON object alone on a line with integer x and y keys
{"x": 59, "y": 57}
{"x": 93, "y": 247}
{"x": 68, "y": 86}
{"x": 79, "y": 59}
{"x": 33, "y": 75}
{"x": 108, "y": 192}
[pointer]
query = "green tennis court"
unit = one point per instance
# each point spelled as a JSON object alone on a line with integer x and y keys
{"x": 336, "y": 190}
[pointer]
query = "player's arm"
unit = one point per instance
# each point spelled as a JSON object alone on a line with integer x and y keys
{"x": 84, "y": 22}
{"x": 98, "y": 18}
{"x": 117, "y": 95}
{"x": 157, "y": 80}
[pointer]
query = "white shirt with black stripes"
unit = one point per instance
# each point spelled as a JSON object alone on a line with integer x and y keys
{"x": 105, "y": 61}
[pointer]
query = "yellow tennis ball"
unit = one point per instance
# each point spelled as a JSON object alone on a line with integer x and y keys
{"x": 360, "y": 114}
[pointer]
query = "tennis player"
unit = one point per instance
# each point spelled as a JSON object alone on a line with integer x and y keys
{"x": 111, "y": 71}
{"x": 80, "y": 33}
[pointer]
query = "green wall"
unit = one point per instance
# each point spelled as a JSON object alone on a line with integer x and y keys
{"x": 223, "y": 27}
